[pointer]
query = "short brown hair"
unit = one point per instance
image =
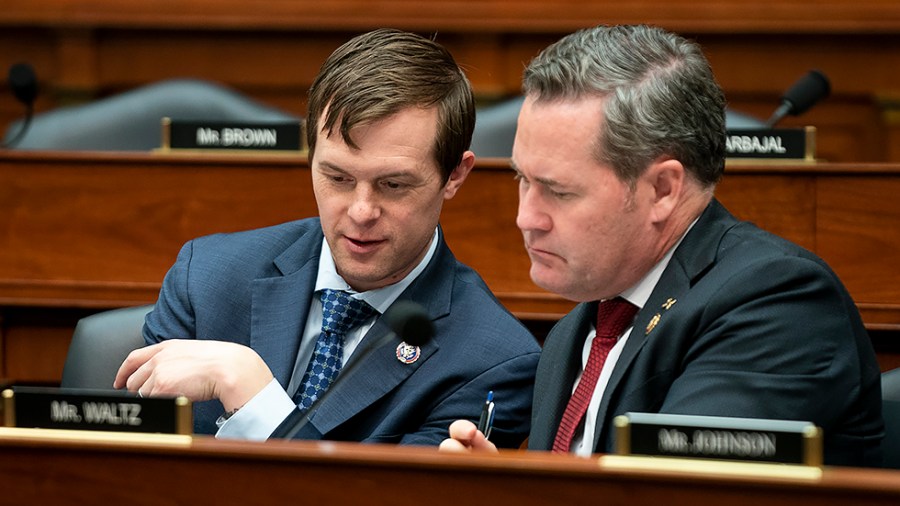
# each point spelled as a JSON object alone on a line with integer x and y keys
{"x": 380, "y": 73}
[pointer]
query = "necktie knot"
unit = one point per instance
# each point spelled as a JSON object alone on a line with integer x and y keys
{"x": 613, "y": 317}
{"x": 341, "y": 312}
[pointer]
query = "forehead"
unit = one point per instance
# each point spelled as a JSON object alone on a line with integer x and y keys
{"x": 554, "y": 134}
{"x": 404, "y": 139}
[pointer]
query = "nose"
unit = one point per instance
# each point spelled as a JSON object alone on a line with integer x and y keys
{"x": 365, "y": 207}
{"x": 531, "y": 215}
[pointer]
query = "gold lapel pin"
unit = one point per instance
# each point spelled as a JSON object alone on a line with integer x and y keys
{"x": 669, "y": 303}
{"x": 652, "y": 324}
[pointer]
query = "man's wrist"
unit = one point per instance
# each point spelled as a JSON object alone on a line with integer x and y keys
{"x": 228, "y": 414}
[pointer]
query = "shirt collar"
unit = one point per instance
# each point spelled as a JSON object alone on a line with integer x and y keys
{"x": 639, "y": 293}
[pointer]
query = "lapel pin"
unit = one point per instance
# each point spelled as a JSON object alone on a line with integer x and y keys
{"x": 652, "y": 324}
{"x": 407, "y": 353}
{"x": 669, "y": 303}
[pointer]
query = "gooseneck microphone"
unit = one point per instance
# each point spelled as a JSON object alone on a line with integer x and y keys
{"x": 23, "y": 83}
{"x": 408, "y": 322}
{"x": 805, "y": 93}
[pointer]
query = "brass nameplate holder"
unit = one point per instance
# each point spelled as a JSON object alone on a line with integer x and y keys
{"x": 777, "y": 144}
{"x": 117, "y": 415}
{"x": 270, "y": 137}
{"x": 717, "y": 445}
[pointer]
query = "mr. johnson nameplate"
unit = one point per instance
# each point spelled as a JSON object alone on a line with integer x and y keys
{"x": 722, "y": 438}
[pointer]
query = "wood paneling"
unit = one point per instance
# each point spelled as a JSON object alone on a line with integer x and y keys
{"x": 271, "y": 49}
{"x": 81, "y": 232}
{"x": 762, "y": 16}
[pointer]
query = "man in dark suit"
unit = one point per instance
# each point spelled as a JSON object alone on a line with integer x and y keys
{"x": 619, "y": 147}
{"x": 250, "y": 325}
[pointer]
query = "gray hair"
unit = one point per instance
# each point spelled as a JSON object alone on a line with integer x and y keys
{"x": 661, "y": 98}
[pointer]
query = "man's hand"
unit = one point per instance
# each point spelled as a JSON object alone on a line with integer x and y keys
{"x": 199, "y": 370}
{"x": 465, "y": 437}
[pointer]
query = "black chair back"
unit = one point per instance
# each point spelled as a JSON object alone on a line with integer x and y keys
{"x": 100, "y": 344}
{"x": 890, "y": 395}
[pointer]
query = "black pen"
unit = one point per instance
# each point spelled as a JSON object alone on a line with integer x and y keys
{"x": 486, "y": 422}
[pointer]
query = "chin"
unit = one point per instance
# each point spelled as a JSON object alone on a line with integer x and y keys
{"x": 561, "y": 288}
{"x": 546, "y": 283}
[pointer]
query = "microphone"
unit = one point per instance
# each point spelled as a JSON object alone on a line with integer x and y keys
{"x": 23, "y": 83}
{"x": 805, "y": 93}
{"x": 407, "y": 321}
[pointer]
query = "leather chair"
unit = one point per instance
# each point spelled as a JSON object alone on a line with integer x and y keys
{"x": 130, "y": 121}
{"x": 99, "y": 345}
{"x": 890, "y": 395}
{"x": 495, "y": 129}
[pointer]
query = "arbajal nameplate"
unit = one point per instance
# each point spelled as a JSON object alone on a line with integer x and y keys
{"x": 722, "y": 438}
{"x": 771, "y": 143}
{"x": 77, "y": 409}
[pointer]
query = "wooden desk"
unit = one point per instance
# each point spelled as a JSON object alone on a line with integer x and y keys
{"x": 223, "y": 473}
{"x": 80, "y": 232}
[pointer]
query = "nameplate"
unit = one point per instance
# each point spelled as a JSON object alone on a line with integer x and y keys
{"x": 769, "y": 143}
{"x": 206, "y": 135}
{"x": 95, "y": 410}
{"x": 720, "y": 438}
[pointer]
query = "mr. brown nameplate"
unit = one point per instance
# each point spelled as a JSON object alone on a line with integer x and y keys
{"x": 721, "y": 438}
{"x": 100, "y": 410}
{"x": 218, "y": 135}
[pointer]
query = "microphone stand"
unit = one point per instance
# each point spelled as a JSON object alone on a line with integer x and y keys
{"x": 24, "y": 85}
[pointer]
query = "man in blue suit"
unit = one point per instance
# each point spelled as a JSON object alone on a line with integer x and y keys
{"x": 619, "y": 146}
{"x": 244, "y": 325}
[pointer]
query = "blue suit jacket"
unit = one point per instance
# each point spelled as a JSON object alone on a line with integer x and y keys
{"x": 760, "y": 328}
{"x": 254, "y": 288}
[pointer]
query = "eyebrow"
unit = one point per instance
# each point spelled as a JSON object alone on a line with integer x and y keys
{"x": 331, "y": 166}
{"x": 550, "y": 183}
{"x": 398, "y": 174}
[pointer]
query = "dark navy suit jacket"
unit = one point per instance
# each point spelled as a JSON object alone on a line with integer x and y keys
{"x": 254, "y": 288}
{"x": 760, "y": 328}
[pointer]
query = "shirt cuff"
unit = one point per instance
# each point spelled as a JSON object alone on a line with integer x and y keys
{"x": 257, "y": 419}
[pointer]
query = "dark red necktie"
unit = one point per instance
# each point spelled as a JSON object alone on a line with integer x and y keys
{"x": 613, "y": 317}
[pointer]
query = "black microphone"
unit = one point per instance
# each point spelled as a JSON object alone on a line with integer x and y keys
{"x": 408, "y": 322}
{"x": 23, "y": 83}
{"x": 805, "y": 93}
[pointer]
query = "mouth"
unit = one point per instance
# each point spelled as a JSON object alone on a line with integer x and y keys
{"x": 363, "y": 245}
{"x": 537, "y": 253}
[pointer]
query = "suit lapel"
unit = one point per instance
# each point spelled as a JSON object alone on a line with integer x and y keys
{"x": 378, "y": 374}
{"x": 694, "y": 256}
{"x": 280, "y": 305}
{"x": 381, "y": 372}
{"x": 559, "y": 365}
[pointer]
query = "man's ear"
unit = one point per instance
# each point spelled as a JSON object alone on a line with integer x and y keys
{"x": 459, "y": 174}
{"x": 667, "y": 178}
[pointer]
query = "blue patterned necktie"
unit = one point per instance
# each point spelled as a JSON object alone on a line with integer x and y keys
{"x": 340, "y": 313}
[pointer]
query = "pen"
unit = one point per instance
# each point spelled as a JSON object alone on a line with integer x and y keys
{"x": 486, "y": 422}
